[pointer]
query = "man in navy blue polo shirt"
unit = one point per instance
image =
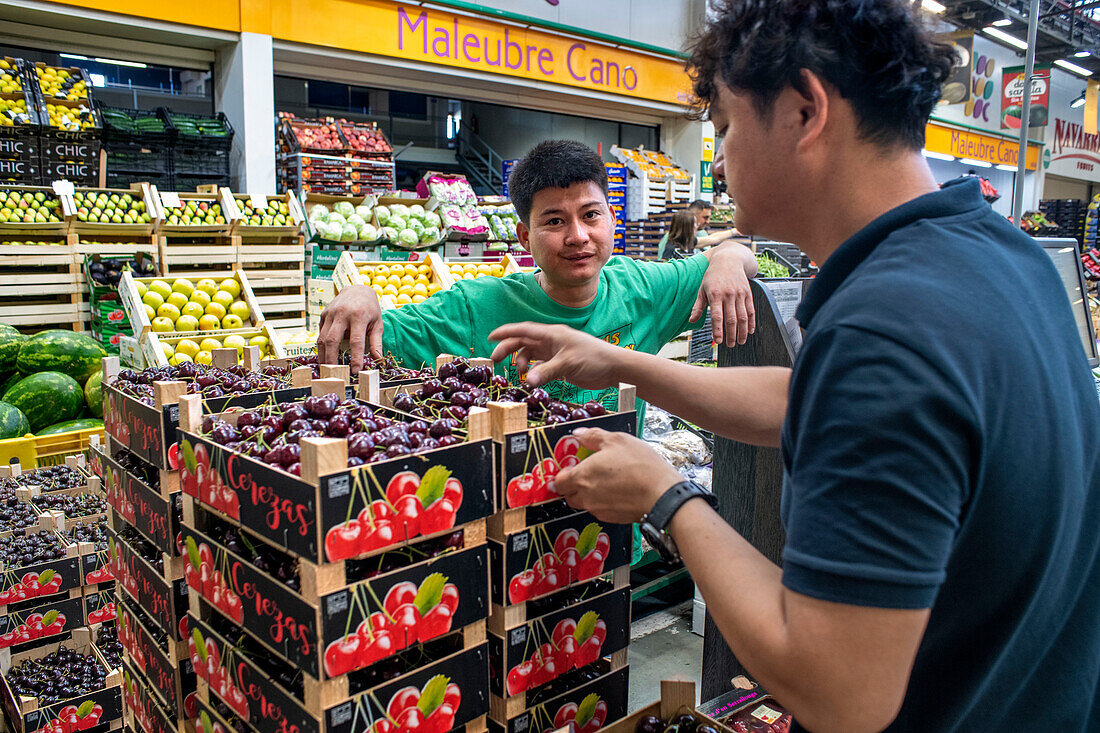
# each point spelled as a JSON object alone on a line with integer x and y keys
{"x": 940, "y": 429}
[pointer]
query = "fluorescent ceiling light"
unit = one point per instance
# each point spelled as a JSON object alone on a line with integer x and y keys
{"x": 1079, "y": 70}
{"x": 76, "y": 56}
{"x": 1009, "y": 168}
{"x": 1005, "y": 38}
{"x": 975, "y": 162}
{"x": 932, "y": 6}
{"x": 1079, "y": 102}
{"x": 937, "y": 156}
{"x": 1002, "y": 22}
{"x": 1081, "y": 54}
{"x": 116, "y": 62}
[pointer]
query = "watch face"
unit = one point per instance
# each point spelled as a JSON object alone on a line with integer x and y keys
{"x": 660, "y": 542}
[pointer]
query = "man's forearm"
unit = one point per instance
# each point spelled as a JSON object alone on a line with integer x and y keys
{"x": 716, "y": 238}
{"x": 748, "y": 259}
{"x": 746, "y": 404}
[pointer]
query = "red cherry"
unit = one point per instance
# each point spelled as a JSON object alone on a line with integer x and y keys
{"x": 566, "y": 714}
{"x": 399, "y": 595}
{"x": 438, "y": 517}
{"x": 600, "y": 630}
{"x": 405, "y": 620}
{"x": 564, "y": 628}
{"x": 342, "y": 541}
{"x": 519, "y": 678}
{"x": 441, "y": 720}
{"x": 567, "y": 651}
{"x": 590, "y": 566}
{"x": 520, "y": 587}
{"x": 402, "y": 700}
{"x": 402, "y": 484}
{"x": 570, "y": 559}
{"x": 408, "y": 510}
{"x": 588, "y": 652}
{"x": 450, "y": 597}
{"x": 520, "y": 490}
{"x": 453, "y": 696}
{"x": 452, "y": 492}
{"x": 434, "y": 623}
{"x": 383, "y": 726}
{"x": 567, "y": 445}
{"x": 566, "y": 538}
{"x": 381, "y": 510}
{"x": 603, "y": 543}
{"x": 410, "y": 721}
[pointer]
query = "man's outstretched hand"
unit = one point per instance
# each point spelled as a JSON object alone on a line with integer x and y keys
{"x": 357, "y": 313}
{"x": 561, "y": 353}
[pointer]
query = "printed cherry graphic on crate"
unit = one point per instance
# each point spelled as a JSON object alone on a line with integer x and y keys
{"x": 72, "y": 718}
{"x": 31, "y": 585}
{"x": 106, "y": 613}
{"x": 36, "y": 626}
{"x": 573, "y": 644}
{"x": 127, "y": 636}
{"x": 537, "y": 485}
{"x": 199, "y": 479}
{"x": 205, "y": 725}
{"x": 409, "y": 615}
{"x": 413, "y": 505}
{"x": 431, "y": 710}
{"x": 575, "y": 558}
{"x": 117, "y": 498}
{"x": 99, "y": 575}
{"x": 209, "y": 583}
{"x": 208, "y": 663}
{"x": 587, "y": 717}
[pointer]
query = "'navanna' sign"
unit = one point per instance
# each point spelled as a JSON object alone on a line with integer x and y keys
{"x": 1073, "y": 152}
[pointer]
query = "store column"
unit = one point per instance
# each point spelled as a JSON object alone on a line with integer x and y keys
{"x": 245, "y": 90}
{"x": 690, "y": 143}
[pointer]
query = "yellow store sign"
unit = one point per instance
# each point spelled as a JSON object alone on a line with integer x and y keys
{"x": 969, "y": 144}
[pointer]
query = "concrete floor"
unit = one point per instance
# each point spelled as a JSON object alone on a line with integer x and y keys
{"x": 662, "y": 647}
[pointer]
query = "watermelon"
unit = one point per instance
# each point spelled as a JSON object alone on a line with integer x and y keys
{"x": 10, "y": 344}
{"x": 9, "y": 380}
{"x": 93, "y": 393}
{"x": 13, "y": 423}
{"x": 70, "y": 425}
{"x": 46, "y": 398}
{"x": 6, "y": 329}
{"x": 68, "y": 352}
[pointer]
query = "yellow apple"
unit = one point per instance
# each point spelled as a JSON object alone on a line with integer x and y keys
{"x": 153, "y": 300}
{"x": 496, "y": 271}
{"x": 418, "y": 298}
{"x": 407, "y": 280}
{"x": 402, "y": 299}
{"x": 411, "y": 270}
{"x": 204, "y": 357}
{"x": 208, "y": 286}
{"x": 223, "y": 297}
{"x": 235, "y": 341}
{"x": 420, "y": 289}
{"x": 423, "y": 270}
{"x": 389, "y": 290}
{"x": 209, "y": 323}
{"x": 167, "y": 350}
{"x": 434, "y": 288}
{"x": 162, "y": 325}
{"x": 141, "y": 289}
{"x": 183, "y": 285}
{"x": 232, "y": 321}
{"x": 231, "y": 286}
{"x": 378, "y": 289}
{"x": 260, "y": 342}
{"x": 191, "y": 308}
{"x": 209, "y": 344}
{"x": 179, "y": 358}
{"x": 201, "y": 297}
{"x": 160, "y": 287}
{"x": 169, "y": 311}
{"x": 485, "y": 268}
{"x": 215, "y": 309}
{"x": 188, "y": 347}
{"x": 177, "y": 299}
{"x": 185, "y": 324}
{"x": 240, "y": 309}
{"x": 150, "y": 311}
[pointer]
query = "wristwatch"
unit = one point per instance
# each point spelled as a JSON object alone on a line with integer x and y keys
{"x": 654, "y": 524}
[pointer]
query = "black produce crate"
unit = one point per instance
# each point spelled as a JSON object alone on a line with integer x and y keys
{"x": 55, "y": 149}
{"x": 83, "y": 172}
{"x": 138, "y": 157}
{"x": 199, "y": 160}
{"x": 24, "y": 147}
{"x": 702, "y": 342}
{"x": 189, "y": 182}
{"x": 162, "y": 180}
{"x": 127, "y": 125}
{"x": 182, "y": 133}
{"x": 21, "y": 170}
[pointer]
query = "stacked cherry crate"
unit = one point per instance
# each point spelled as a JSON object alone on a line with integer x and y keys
{"x": 346, "y": 590}
{"x": 138, "y": 467}
{"x": 560, "y": 620}
{"x": 55, "y": 611}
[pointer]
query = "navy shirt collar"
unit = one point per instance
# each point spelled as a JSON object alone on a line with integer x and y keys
{"x": 956, "y": 197}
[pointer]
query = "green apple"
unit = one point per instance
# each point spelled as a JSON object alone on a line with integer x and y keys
{"x": 217, "y": 310}
{"x": 161, "y": 287}
{"x": 193, "y": 309}
{"x": 209, "y": 323}
{"x": 167, "y": 350}
{"x": 200, "y": 297}
{"x": 177, "y": 299}
{"x": 153, "y": 299}
{"x": 204, "y": 357}
{"x": 232, "y": 321}
{"x": 259, "y": 342}
{"x": 141, "y": 289}
{"x": 231, "y": 286}
{"x": 150, "y": 311}
{"x": 169, "y": 311}
{"x": 208, "y": 286}
{"x": 183, "y": 285}
{"x": 240, "y": 309}
{"x": 224, "y": 298}
{"x": 186, "y": 324}
{"x": 178, "y": 359}
{"x": 209, "y": 344}
{"x": 163, "y": 325}
{"x": 234, "y": 341}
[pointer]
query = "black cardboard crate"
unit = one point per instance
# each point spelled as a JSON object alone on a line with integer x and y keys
{"x": 100, "y": 607}
{"x": 155, "y": 514}
{"x": 307, "y": 631}
{"x": 51, "y": 620}
{"x": 20, "y": 168}
{"x": 161, "y": 593}
{"x": 24, "y": 147}
{"x": 114, "y": 131}
{"x": 165, "y": 664}
{"x": 526, "y": 658}
{"x": 144, "y": 712}
{"x": 181, "y": 135}
{"x": 136, "y": 157}
{"x": 603, "y": 699}
{"x": 17, "y": 584}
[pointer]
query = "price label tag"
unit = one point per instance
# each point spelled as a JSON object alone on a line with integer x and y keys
{"x": 766, "y": 714}
{"x": 258, "y": 201}
{"x": 64, "y": 188}
{"x": 170, "y": 199}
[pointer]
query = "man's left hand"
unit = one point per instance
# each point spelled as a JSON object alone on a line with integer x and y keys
{"x": 620, "y": 481}
{"x": 726, "y": 289}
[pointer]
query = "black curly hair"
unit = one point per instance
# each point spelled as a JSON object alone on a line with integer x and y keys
{"x": 554, "y": 164}
{"x": 876, "y": 53}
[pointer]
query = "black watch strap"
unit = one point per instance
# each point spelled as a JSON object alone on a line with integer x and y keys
{"x": 671, "y": 501}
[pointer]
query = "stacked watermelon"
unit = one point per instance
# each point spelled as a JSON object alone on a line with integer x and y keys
{"x": 50, "y": 382}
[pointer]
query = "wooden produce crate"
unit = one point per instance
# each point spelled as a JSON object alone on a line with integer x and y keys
{"x": 286, "y": 205}
{"x": 142, "y": 325}
{"x": 198, "y": 256}
{"x": 329, "y": 621}
{"x": 556, "y": 647}
{"x": 114, "y": 245}
{"x": 142, "y": 710}
{"x": 157, "y": 586}
{"x": 482, "y": 267}
{"x": 41, "y": 287}
{"x": 154, "y": 346}
{"x": 47, "y": 621}
{"x": 583, "y": 708}
{"x": 45, "y": 195}
{"x": 275, "y": 266}
{"x": 178, "y": 202}
{"x": 321, "y": 503}
{"x": 89, "y": 507}
{"x": 77, "y": 212}
{"x": 20, "y": 584}
{"x": 454, "y": 668}
{"x": 33, "y": 478}
{"x": 26, "y": 714}
{"x": 352, "y": 272}
{"x": 164, "y": 663}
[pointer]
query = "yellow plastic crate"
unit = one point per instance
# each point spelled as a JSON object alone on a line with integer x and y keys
{"x": 46, "y": 450}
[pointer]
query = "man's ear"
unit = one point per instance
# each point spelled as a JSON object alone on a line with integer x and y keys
{"x": 523, "y": 233}
{"x": 813, "y": 108}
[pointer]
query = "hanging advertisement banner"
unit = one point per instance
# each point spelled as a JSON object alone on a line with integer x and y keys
{"x": 1012, "y": 96}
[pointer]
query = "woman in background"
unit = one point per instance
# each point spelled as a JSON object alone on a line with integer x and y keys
{"x": 680, "y": 235}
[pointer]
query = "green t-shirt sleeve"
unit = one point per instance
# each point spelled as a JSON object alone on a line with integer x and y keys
{"x": 418, "y": 333}
{"x": 674, "y": 286}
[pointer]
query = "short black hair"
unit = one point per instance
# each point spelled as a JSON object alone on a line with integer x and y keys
{"x": 878, "y": 54}
{"x": 700, "y": 205}
{"x": 554, "y": 164}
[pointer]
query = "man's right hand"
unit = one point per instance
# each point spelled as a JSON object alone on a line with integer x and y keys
{"x": 357, "y": 312}
{"x": 562, "y": 353}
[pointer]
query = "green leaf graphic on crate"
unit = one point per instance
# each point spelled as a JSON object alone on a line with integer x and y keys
{"x": 211, "y": 584}
{"x": 206, "y": 658}
{"x": 431, "y": 709}
{"x": 414, "y": 505}
{"x": 587, "y": 717}
{"x": 576, "y": 558}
